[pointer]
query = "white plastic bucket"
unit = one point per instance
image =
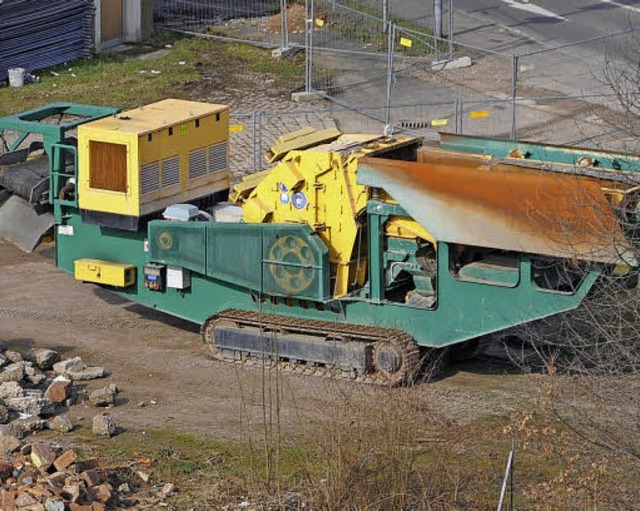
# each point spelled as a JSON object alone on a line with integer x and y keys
{"x": 16, "y": 76}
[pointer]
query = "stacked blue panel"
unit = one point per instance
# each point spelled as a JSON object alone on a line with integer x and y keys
{"x": 35, "y": 34}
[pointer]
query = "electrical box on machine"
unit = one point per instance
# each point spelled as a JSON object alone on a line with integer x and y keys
{"x": 154, "y": 276}
{"x": 178, "y": 278}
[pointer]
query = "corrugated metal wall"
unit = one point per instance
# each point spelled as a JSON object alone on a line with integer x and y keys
{"x": 35, "y": 34}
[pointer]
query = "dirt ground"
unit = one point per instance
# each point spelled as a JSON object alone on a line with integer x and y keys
{"x": 154, "y": 357}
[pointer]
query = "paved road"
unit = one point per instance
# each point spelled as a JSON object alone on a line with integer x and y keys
{"x": 553, "y": 22}
{"x": 546, "y": 21}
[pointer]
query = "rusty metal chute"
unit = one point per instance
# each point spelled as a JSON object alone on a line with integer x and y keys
{"x": 474, "y": 202}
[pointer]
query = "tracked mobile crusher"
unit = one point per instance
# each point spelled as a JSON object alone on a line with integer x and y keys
{"x": 348, "y": 255}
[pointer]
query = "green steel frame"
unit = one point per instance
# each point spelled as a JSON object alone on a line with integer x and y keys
{"x": 563, "y": 155}
{"x": 53, "y": 134}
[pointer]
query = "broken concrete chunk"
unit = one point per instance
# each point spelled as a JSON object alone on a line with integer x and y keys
{"x": 73, "y": 489}
{"x": 11, "y": 429}
{"x": 42, "y": 456}
{"x": 64, "y": 460}
{"x": 12, "y": 373}
{"x": 57, "y": 479}
{"x": 58, "y": 390}
{"x": 4, "y": 414}
{"x": 10, "y": 389}
{"x": 82, "y": 373}
{"x": 54, "y": 505}
{"x": 34, "y": 375}
{"x": 91, "y": 477}
{"x": 32, "y": 405}
{"x": 102, "y": 397}
{"x": 42, "y": 357}
{"x": 9, "y": 444}
{"x": 61, "y": 424}
{"x": 102, "y": 493}
{"x": 103, "y": 425}
{"x": 13, "y": 356}
{"x": 24, "y": 500}
{"x": 64, "y": 365}
{"x": 24, "y": 427}
{"x": 3, "y": 360}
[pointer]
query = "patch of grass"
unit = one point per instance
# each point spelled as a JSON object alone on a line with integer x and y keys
{"x": 127, "y": 82}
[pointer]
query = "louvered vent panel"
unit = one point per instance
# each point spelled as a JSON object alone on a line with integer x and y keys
{"x": 150, "y": 177}
{"x": 171, "y": 171}
{"x": 197, "y": 163}
{"x": 218, "y": 157}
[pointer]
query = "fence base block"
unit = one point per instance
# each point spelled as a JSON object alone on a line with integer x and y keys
{"x": 304, "y": 97}
{"x": 286, "y": 51}
{"x": 451, "y": 64}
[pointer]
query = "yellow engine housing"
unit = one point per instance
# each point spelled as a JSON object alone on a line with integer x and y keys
{"x": 143, "y": 160}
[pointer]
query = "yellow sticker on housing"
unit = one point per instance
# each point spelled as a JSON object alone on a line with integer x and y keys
{"x": 319, "y": 22}
{"x": 439, "y": 122}
{"x": 236, "y": 128}
{"x": 184, "y": 130}
{"x": 479, "y": 114}
{"x": 406, "y": 42}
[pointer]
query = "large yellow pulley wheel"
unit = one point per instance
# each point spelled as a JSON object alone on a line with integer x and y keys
{"x": 292, "y": 272}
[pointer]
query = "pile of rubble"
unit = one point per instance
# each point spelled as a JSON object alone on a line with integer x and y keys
{"x": 39, "y": 477}
{"x": 36, "y": 388}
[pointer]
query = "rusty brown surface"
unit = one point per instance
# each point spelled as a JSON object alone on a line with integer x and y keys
{"x": 469, "y": 201}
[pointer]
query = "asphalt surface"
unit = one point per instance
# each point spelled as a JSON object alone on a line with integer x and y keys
{"x": 548, "y": 22}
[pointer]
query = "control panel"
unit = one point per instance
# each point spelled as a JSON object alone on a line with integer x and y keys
{"x": 154, "y": 276}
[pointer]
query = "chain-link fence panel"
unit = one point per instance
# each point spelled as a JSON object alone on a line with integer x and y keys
{"x": 589, "y": 121}
{"x": 426, "y": 119}
{"x": 575, "y": 69}
{"x": 347, "y": 52}
{"x": 258, "y": 21}
{"x": 486, "y": 118}
{"x": 243, "y": 158}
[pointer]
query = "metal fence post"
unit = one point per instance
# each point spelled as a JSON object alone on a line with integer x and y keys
{"x": 284, "y": 22}
{"x": 437, "y": 14}
{"x": 308, "y": 49}
{"x": 511, "y": 482}
{"x": 385, "y": 15}
{"x": 390, "y": 56}
{"x": 450, "y": 30}
{"x": 514, "y": 97}
{"x": 507, "y": 474}
{"x": 259, "y": 142}
{"x": 254, "y": 142}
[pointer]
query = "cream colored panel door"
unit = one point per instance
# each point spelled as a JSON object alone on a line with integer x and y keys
{"x": 111, "y": 16}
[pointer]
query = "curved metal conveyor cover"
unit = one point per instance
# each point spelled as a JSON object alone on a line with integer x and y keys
{"x": 21, "y": 225}
{"x": 504, "y": 207}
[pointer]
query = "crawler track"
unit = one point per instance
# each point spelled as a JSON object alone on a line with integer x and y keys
{"x": 390, "y": 356}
